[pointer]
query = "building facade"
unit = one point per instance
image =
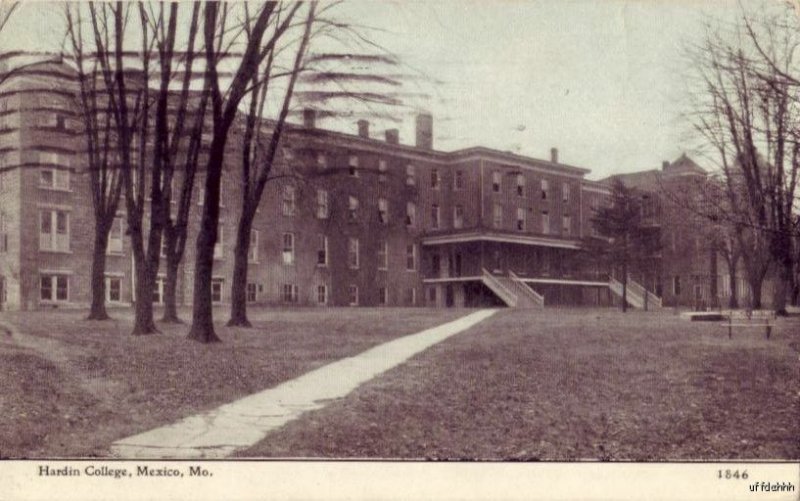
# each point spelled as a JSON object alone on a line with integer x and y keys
{"x": 350, "y": 219}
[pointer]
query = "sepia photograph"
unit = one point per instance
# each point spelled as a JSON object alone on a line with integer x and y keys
{"x": 512, "y": 231}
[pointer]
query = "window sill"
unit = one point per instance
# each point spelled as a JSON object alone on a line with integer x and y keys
{"x": 53, "y": 188}
{"x": 53, "y": 251}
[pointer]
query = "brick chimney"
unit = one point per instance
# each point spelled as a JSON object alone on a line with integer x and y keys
{"x": 425, "y": 131}
{"x": 363, "y": 128}
{"x": 309, "y": 118}
{"x": 554, "y": 155}
{"x": 392, "y": 136}
{"x": 664, "y": 165}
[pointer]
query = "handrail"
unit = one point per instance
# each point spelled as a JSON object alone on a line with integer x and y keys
{"x": 510, "y": 298}
{"x": 631, "y": 296}
{"x": 537, "y": 298}
{"x": 652, "y": 299}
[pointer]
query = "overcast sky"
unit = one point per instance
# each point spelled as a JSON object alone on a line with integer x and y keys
{"x": 602, "y": 81}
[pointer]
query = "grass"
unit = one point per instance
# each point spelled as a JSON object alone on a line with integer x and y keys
{"x": 571, "y": 384}
{"x": 71, "y": 387}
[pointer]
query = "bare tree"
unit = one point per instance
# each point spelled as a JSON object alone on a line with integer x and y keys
{"x": 224, "y": 109}
{"x": 747, "y": 112}
{"x": 100, "y": 152}
{"x": 258, "y": 158}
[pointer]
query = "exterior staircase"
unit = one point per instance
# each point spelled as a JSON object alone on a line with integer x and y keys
{"x": 512, "y": 291}
{"x": 635, "y": 294}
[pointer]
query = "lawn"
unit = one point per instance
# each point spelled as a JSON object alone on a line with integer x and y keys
{"x": 71, "y": 387}
{"x": 567, "y": 384}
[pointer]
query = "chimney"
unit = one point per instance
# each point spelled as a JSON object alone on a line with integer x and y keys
{"x": 664, "y": 165}
{"x": 363, "y": 128}
{"x": 425, "y": 131}
{"x": 392, "y": 136}
{"x": 309, "y": 118}
{"x": 554, "y": 155}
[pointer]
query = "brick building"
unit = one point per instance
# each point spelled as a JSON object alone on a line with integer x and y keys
{"x": 361, "y": 220}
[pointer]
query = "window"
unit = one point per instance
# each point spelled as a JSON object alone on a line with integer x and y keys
{"x": 288, "y": 200}
{"x": 352, "y": 253}
{"x": 566, "y": 224}
{"x": 383, "y": 256}
{"x": 520, "y": 219}
{"x": 3, "y": 233}
{"x": 219, "y": 246}
{"x": 520, "y": 185}
{"x": 352, "y": 291}
{"x": 435, "y": 179}
{"x": 411, "y": 296}
{"x": 497, "y": 216}
{"x": 676, "y": 285}
{"x": 383, "y": 211}
{"x": 252, "y": 292}
{"x": 458, "y": 180}
{"x": 216, "y": 290}
{"x": 383, "y": 296}
{"x": 352, "y": 165}
{"x": 289, "y": 293}
{"x": 411, "y": 179}
{"x": 54, "y": 179}
{"x": 54, "y": 231}
{"x": 322, "y": 204}
{"x": 565, "y": 192}
{"x": 545, "y": 187}
{"x": 411, "y": 257}
{"x": 322, "y": 251}
{"x": 545, "y": 222}
{"x": 322, "y": 294}
{"x": 435, "y": 217}
{"x": 288, "y": 248}
{"x": 116, "y": 235}
{"x": 382, "y": 168}
{"x": 322, "y": 161}
{"x": 352, "y": 209}
{"x": 458, "y": 216}
{"x": 54, "y": 287}
{"x": 411, "y": 214}
{"x": 432, "y": 295}
{"x": 113, "y": 289}
{"x": 252, "y": 253}
{"x": 497, "y": 179}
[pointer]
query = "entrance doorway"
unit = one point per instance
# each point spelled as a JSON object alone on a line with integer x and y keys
{"x": 449, "y": 297}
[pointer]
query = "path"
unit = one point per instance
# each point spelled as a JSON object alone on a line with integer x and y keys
{"x": 243, "y": 423}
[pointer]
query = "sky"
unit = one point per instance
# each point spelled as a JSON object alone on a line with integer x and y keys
{"x": 603, "y": 81}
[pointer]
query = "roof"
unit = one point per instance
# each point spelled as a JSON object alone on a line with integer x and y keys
{"x": 652, "y": 179}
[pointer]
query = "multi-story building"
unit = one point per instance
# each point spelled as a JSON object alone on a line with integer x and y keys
{"x": 360, "y": 220}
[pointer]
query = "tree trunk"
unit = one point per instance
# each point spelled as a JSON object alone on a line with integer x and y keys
{"x": 624, "y": 288}
{"x": 239, "y": 283}
{"x": 143, "y": 307}
{"x": 783, "y": 286}
{"x": 171, "y": 292}
{"x": 98, "y": 308}
{"x": 202, "y": 313}
{"x": 756, "y": 283}
{"x": 733, "y": 301}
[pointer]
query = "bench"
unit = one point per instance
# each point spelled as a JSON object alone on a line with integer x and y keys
{"x": 750, "y": 319}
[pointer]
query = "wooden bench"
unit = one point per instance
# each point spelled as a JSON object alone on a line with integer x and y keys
{"x": 750, "y": 319}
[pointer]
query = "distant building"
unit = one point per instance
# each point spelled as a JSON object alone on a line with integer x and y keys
{"x": 366, "y": 221}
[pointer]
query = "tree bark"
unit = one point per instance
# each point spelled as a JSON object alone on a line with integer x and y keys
{"x": 756, "y": 283}
{"x": 239, "y": 283}
{"x": 624, "y": 287}
{"x": 170, "y": 292}
{"x": 143, "y": 307}
{"x": 202, "y": 314}
{"x": 733, "y": 301}
{"x": 783, "y": 286}
{"x": 98, "y": 307}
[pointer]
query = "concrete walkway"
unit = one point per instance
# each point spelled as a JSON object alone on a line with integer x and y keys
{"x": 245, "y": 422}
